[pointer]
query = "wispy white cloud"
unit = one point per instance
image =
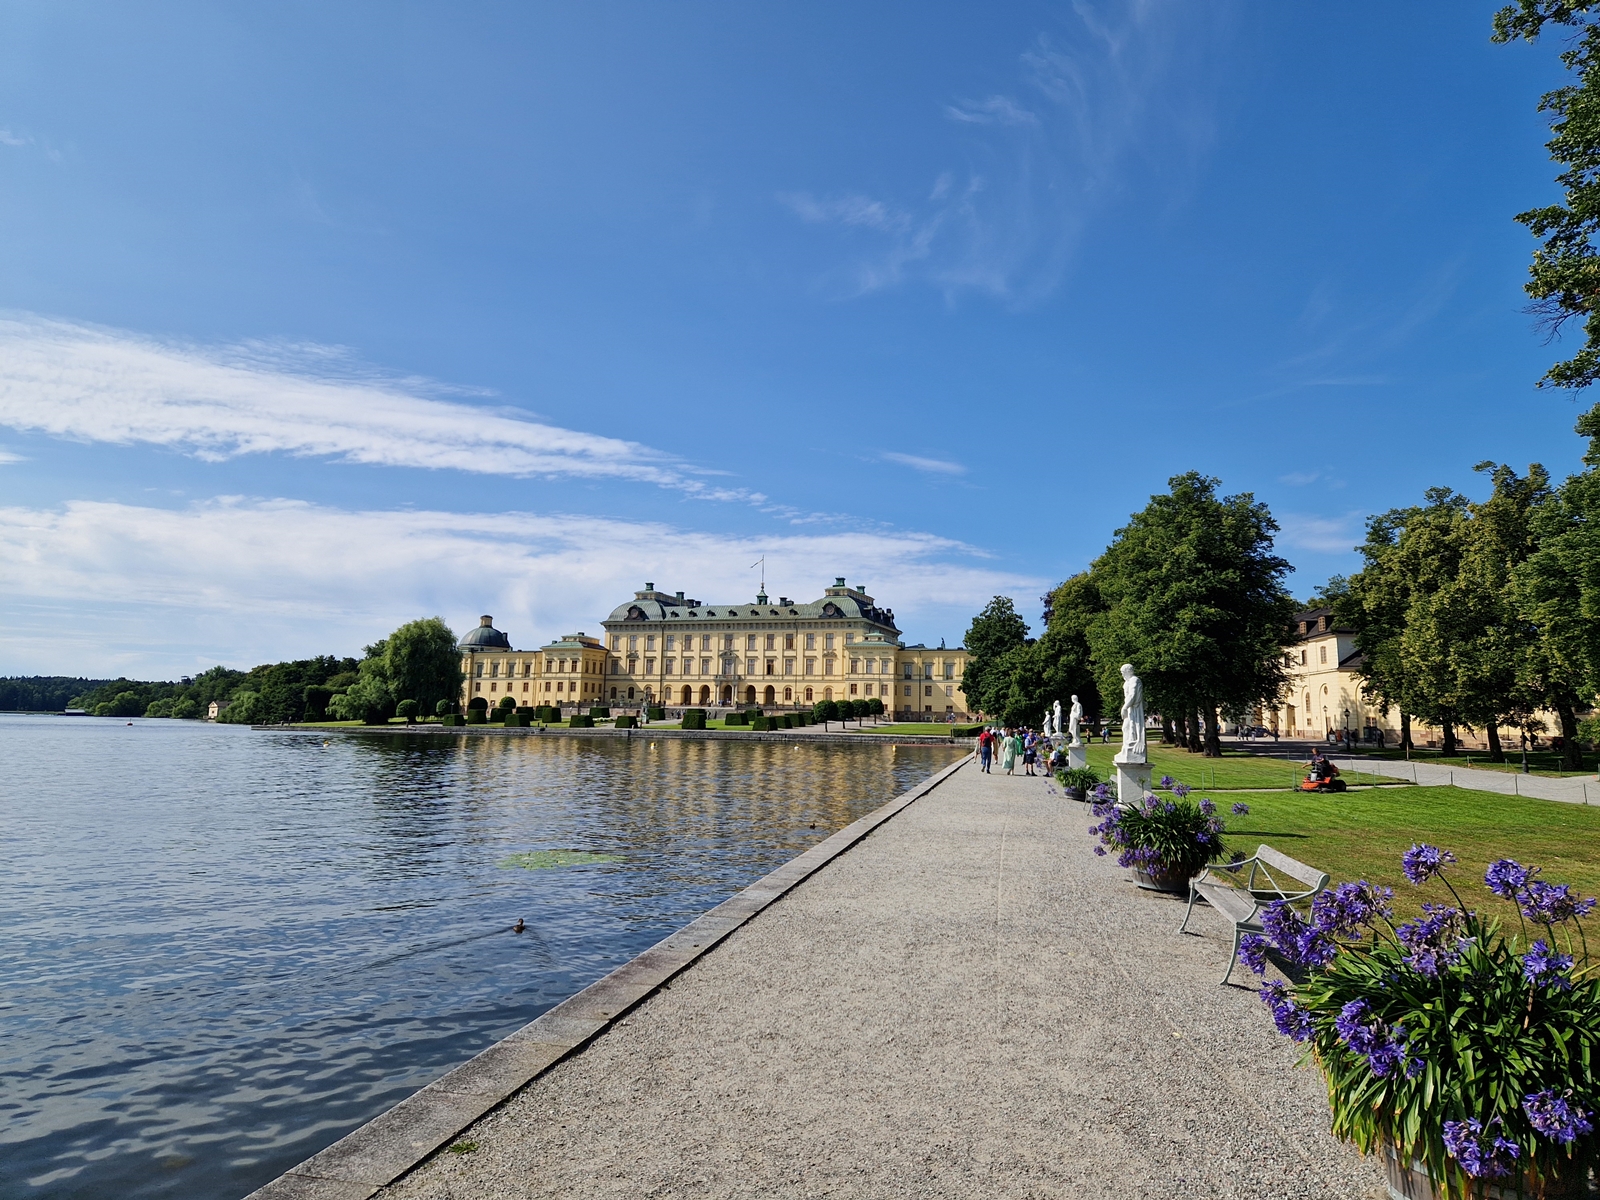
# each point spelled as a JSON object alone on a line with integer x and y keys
{"x": 1300, "y": 478}
{"x": 934, "y": 466}
{"x": 996, "y": 110}
{"x": 95, "y": 586}
{"x": 1109, "y": 100}
{"x": 7, "y": 138}
{"x": 1322, "y": 534}
{"x": 7, "y": 457}
{"x": 99, "y": 385}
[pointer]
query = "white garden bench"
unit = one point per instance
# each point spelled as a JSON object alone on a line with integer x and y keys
{"x": 1240, "y": 897}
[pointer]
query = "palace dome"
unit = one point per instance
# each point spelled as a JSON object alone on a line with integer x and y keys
{"x": 485, "y": 637}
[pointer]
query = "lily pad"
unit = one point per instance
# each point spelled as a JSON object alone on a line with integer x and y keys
{"x": 545, "y": 860}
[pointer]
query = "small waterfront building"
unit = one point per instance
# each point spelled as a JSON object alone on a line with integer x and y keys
{"x": 664, "y": 648}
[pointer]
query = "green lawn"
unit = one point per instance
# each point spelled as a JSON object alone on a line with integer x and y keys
{"x": 909, "y": 729}
{"x": 1361, "y": 835}
{"x": 1231, "y": 771}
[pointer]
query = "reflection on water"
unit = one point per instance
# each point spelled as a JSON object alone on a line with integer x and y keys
{"x": 224, "y": 949}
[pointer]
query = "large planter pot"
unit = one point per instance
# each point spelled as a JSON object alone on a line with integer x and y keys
{"x": 1163, "y": 881}
{"x": 1412, "y": 1183}
{"x": 1073, "y": 793}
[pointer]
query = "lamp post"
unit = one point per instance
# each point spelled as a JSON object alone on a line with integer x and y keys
{"x": 1524, "y": 751}
{"x": 1347, "y": 730}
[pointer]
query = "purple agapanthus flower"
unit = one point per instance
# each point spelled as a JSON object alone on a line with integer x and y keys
{"x": 1381, "y": 1045}
{"x": 1253, "y": 952}
{"x": 1555, "y": 1116}
{"x": 1350, "y": 908}
{"x": 1292, "y": 1021}
{"x": 1482, "y": 1153}
{"x": 1180, "y": 790}
{"x": 1100, "y": 850}
{"x": 1552, "y": 903}
{"x": 1241, "y": 809}
{"x": 1507, "y": 877}
{"x": 1436, "y": 941}
{"x": 1207, "y": 807}
{"x": 1422, "y": 862}
{"x": 1294, "y": 939}
{"x": 1543, "y": 965}
{"x": 1166, "y": 781}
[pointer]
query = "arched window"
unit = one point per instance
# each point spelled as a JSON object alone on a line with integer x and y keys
{"x": 808, "y": 695}
{"x": 770, "y": 694}
{"x": 788, "y": 694}
{"x": 827, "y": 693}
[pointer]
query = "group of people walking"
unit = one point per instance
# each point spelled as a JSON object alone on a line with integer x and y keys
{"x": 1008, "y": 745}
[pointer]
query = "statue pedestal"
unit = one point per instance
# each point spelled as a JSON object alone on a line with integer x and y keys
{"x": 1077, "y": 755}
{"x": 1133, "y": 781}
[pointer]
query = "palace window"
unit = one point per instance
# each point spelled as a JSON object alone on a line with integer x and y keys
{"x": 477, "y": 687}
{"x": 772, "y": 666}
{"x": 949, "y": 673}
{"x": 670, "y": 640}
{"x": 827, "y": 666}
{"x": 547, "y": 685}
{"x": 524, "y": 687}
{"x": 494, "y": 667}
{"x": 616, "y": 666}
{"x": 749, "y": 666}
{"x": 705, "y": 666}
{"x": 788, "y": 641}
{"x": 633, "y": 666}
{"x": 1322, "y": 654}
{"x": 927, "y": 670}
{"x": 560, "y": 685}
{"x": 908, "y": 689}
{"x": 848, "y": 638}
{"x": 494, "y": 687}
{"x": 727, "y": 641}
{"x": 827, "y": 641}
{"x": 788, "y": 666}
{"x": 633, "y": 641}
{"x": 788, "y": 693}
{"x": 772, "y": 641}
{"x": 949, "y": 691}
{"x": 750, "y": 641}
{"x": 650, "y": 666}
{"x": 808, "y": 695}
{"x": 1302, "y": 658}
{"x": 616, "y": 641}
{"x": 650, "y": 641}
{"x": 908, "y": 673}
{"x": 811, "y": 666}
{"x": 854, "y": 688}
{"x": 855, "y": 666}
{"x": 811, "y": 641}
{"x": 479, "y": 671}
{"x": 666, "y": 666}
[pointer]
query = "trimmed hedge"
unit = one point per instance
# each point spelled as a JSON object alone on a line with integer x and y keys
{"x": 761, "y": 724}
{"x": 475, "y": 716}
{"x": 478, "y": 702}
{"x": 653, "y": 713}
{"x": 452, "y": 719}
{"x": 516, "y": 720}
{"x": 600, "y": 710}
{"x": 736, "y": 718}
{"x": 581, "y": 723}
{"x": 694, "y": 718}
{"x": 965, "y": 730}
{"x": 626, "y": 722}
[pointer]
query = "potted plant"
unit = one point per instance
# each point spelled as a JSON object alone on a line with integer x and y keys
{"x": 1467, "y": 1057}
{"x": 1165, "y": 842}
{"x": 1077, "y": 781}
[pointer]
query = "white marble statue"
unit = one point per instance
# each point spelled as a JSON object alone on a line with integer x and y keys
{"x": 1073, "y": 720}
{"x": 1133, "y": 745}
{"x": 1056, "y": 724}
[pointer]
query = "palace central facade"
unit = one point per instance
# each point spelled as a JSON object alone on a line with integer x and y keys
{"x": 663, "y": 648}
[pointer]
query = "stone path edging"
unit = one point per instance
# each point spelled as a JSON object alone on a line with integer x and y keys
{"x": 386, "y": 1147}
{"x": 1574, "y": 789}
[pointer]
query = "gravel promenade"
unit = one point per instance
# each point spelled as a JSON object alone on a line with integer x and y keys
{"x": 969, "y": 1003}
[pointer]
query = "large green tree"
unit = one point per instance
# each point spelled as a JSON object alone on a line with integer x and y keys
{"x": 421, "y": 662}
{"x": 1193, "y": 596}
{"x": 994, "y": 632}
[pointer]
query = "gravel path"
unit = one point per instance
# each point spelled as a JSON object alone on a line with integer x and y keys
{"x": 967, "y": 1004}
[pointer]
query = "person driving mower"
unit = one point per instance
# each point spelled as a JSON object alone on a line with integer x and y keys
{"x": 1323, "y": 776}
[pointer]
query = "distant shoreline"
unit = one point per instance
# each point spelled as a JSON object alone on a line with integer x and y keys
{"x": 840, "y": 738}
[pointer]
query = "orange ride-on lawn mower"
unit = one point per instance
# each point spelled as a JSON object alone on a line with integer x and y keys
{"x": 1324, "y": 777}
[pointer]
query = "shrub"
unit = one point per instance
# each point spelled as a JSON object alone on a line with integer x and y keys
{"x": 506, "y": 702}
{"x": 788, "y": 720}
{"x": 875, "y": 707}
{"x": 407, "y": 709}
{"x": 1470, "y": 1051}
{"x": 735, "y": 718}
{"x": 800, "y": 718}
{"x": 694, "y": 718}
{"x": 159, "y": 708}
{"x": 444, "y": 708}
{"x": 655, "y": 713}
{"x": 477, "y": 716}
{"x": 578, "y": 722}
{"x": 478, "y": 703}
{"x": 1078, "y": 778}
{"x": 826, "y": 710}
{"x": 627, "y": 722}
{"x": 186, "y": 709}
{"x": 760, "y": 724}
{"x": 1175, "y": 836}
{"x": 600, "y": 710}
{"x": 452, "y": 719}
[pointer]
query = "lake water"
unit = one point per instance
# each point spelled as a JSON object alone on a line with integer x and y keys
{"x": 223, "y": 949}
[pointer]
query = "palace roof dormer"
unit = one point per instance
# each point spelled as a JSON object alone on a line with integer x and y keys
{"x": 839, "y": 602}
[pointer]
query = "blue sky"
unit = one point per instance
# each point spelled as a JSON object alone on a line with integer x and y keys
{"x": 316, "y": 318}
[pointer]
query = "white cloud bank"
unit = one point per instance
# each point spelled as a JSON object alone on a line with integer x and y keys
{"x": 92, "y": 587}
{"x": 89, "y": 384}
